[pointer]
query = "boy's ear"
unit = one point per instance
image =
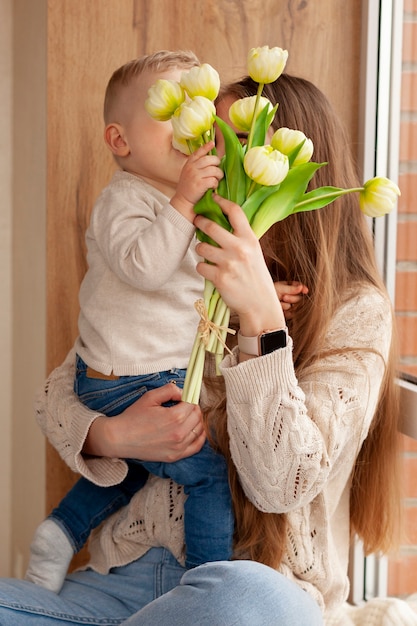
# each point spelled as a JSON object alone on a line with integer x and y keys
{"x": 115, "y": 140}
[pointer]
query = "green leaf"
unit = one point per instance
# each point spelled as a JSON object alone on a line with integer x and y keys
{"x": 281, "y": 203}
{"x": 294, "y": 152}
{"x": 222, "y": 187}
{"x": 270, "y": 117}
{"x": 319, "y": 198}
{"x": 262, "y": 124}
{"x": 251, "y": 204}
{"x": 233, "y": 164}
{"x": 210, "y": 209}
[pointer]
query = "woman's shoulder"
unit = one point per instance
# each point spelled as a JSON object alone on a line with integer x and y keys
{"x": 365, "y": 317}
{"x": 365, "y": 298}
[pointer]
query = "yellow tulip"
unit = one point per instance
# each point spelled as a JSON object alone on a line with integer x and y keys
{"x": 201, "y": 80}
{"x": 286, "y": 140}
{"x": 241, "y": 111}
{"x": 378, "y": 196}
{"x": 181, "y": 145}
{"x": 194, "y": 118}
{"x": 164, "y": 98}
{"x": 266, "y": 64}
{"x": 266, "y": 166}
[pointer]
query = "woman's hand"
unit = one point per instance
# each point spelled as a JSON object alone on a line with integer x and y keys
{"x": 238, "y": 270}
{"x": 148, "y": 431}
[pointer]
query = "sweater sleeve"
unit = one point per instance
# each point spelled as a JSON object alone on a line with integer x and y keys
{"x": 287, "y": 435}
{"x": 141, "y": 240}
{"x": 65, "y": 421}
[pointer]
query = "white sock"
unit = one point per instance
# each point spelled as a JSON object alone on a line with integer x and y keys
{"x": 50, "y": 555}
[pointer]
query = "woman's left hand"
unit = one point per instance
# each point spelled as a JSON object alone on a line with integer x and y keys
{"x": 237, "y": 269}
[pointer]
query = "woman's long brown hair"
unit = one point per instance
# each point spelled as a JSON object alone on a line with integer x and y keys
{"x": 330, "y": 251}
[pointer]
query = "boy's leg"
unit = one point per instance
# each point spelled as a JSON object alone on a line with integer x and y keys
{"x": 91, "y": 598}
{"x": 86, "y": 505}
{"x": 68, "y": 527}
{"x": 208, "y": 512}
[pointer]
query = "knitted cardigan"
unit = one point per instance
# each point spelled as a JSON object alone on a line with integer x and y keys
{"x": 294, "y": 444}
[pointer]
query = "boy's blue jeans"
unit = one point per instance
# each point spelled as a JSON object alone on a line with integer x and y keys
{"x": 208, "y": 517}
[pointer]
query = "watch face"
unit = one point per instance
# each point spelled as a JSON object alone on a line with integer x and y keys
{"x": 273, "y": 341}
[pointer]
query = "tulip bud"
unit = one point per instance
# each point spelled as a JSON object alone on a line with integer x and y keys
{"x": 164, "y": 97}
{"x": 286, "y": 141}
{"x": 194, "y": 118}
{"x": 241, "y": 111}
{"x": 181, "y": 145}
{"x": 201, "y": 80}
{"x": 266, "y": 64}
{"x": 378, "y": 196}
{"x": 265, "y": 165}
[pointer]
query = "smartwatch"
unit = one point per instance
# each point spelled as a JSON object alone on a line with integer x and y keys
{"x": 266, "y": 342}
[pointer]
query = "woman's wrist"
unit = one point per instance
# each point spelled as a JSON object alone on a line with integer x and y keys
{"x": 252, "y": 325}
{"x": 100, "y": 440}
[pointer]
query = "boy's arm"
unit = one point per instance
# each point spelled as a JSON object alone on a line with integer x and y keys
{"x": 142, "y": 243}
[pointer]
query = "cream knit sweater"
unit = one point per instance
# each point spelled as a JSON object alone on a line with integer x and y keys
{"x": 294, "y": 444}
{"x": 137, "y": 298}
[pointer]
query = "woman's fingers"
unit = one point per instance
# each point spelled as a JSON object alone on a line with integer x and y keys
{"x": 161, "y": 395}
{"x": 149, "y": 431}
{"x": 237, "y": 218}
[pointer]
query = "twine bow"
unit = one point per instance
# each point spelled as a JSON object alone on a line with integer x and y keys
{"x": 206, "y": 327}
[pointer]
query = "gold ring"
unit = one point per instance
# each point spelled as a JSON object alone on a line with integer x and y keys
{"x": 194, "y": 431}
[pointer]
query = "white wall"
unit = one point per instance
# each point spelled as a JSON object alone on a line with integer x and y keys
{"x": 22, "y": 274}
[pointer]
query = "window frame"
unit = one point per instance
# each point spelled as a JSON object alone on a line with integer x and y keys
{"x": 379, "y": 134}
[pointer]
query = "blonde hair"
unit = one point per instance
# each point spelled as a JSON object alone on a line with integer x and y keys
{"x": 157, "y": 62}
{"x": 331, "y": 252}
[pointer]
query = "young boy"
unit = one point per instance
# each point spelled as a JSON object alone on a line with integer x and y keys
{"x": 137, "y": 320}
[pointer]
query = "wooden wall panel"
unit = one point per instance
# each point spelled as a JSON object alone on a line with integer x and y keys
{"x": 88, "y": 40}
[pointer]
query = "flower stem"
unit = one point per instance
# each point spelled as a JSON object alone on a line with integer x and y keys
{"x": 194, "y": 369}
{"x": 300, "y": 206}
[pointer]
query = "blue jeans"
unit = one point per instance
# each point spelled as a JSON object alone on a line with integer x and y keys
{"x": 208, "y": 518}
{"x": 156, "y": 591}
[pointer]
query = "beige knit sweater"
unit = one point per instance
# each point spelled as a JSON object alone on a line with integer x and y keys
{"x": 294, "y": 444}
{"x": 137, "y": 298}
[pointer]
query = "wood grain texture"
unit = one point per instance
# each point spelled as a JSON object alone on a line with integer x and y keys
{"x": 88, "y": 40}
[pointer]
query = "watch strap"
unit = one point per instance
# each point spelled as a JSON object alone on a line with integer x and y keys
{"x": 266, "y": 342}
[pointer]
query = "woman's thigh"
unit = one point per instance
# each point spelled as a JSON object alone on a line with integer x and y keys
{"x": 91, "y": 598}
{"x": 155, "y": 591}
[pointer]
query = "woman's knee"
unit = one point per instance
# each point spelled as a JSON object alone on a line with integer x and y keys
{"x": 254, "y": 593}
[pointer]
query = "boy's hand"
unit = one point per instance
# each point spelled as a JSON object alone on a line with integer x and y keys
{"x": 289, "y": 293}
{"x": 201, "y": 171}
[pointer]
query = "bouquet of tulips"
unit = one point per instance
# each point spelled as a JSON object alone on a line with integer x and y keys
{"x": 269, "y": 181}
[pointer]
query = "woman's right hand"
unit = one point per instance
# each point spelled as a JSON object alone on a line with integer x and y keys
{"x": 237, "y": 268}
{"x": 148, "y": 431}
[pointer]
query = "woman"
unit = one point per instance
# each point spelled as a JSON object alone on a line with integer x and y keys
{"x": 309, "y": 429}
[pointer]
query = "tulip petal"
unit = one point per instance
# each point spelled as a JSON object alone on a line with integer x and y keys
{"x": 266, "y": 64}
